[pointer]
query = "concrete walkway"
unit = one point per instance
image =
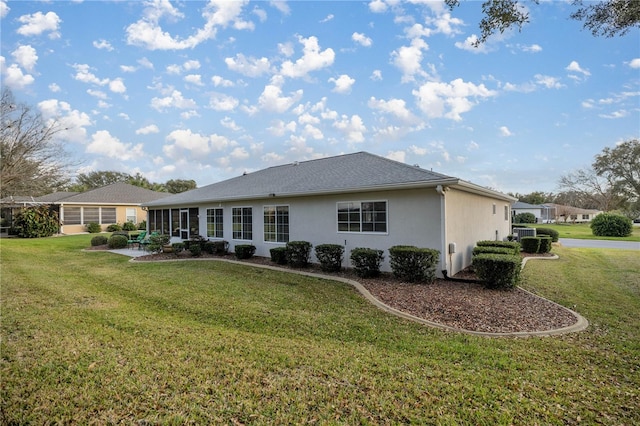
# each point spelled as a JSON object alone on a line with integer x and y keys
{"x": 131, "y": 252}
{"x": 602, "y": 244}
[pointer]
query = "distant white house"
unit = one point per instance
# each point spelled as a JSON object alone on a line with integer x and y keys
{"x": 355, "y": 200}
{"x": 550, "y": 212}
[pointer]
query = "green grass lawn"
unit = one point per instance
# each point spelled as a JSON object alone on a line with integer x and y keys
{"x": 583, "y": 231}
{"x": 90, "y": 338}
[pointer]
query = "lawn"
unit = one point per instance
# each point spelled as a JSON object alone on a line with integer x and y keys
{"x": 583, "y": 231}
{"x": 90, "y": 338}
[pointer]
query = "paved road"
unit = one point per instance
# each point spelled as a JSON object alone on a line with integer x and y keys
{"x": 627, "y": 245}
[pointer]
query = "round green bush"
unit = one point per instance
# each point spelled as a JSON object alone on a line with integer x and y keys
{"x": 114, "y": 227}
{"x": 129, "y": 226}
{"x": 93, "y": 228}
{"x": 525, "y": 218}
{"x": 530, "y": 244}
{"x": 611, "y": 225}
{"x": 117, "y": 241}
{"x": 99, "y": 240}
{"x": 550, "y": 232}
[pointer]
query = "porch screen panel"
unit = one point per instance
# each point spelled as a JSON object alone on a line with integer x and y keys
{"x": 72, "y": 216}
{"x": 165, "y": 221}
{"x": 91, "y": 215}
{"x": 109, "y": 215}
{"x": 175, "y": 222}
{"x": 152, "y": 220}
{"x": 194, "y": 225}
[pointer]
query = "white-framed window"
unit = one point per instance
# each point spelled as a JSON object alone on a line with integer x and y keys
{"x": 242, "y": 221}
{"x": 276, "y": 224}
{"x": 362, "y": 216}
{"x": 494, "y": 209}
{"x": 215, "y": 228}
{"x": 506, "y": 212}
{"x": 131, "y": 215}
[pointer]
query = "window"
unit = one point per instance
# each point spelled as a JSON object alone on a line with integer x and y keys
{"x": 365, "y": 216}
{"x": 91, "y": 215}
{"x": 242, "y": 218}
{"x": 72, "y": 216}
{"x": 214, "y": 223}
{"x": 494, "y": 209}
{"x": 109, "y": 215}
{"x": 506, "y": 212}
{"x": 131, "y": 215}
{"x": 585, "y": 217}
{"x": 175, "y": 222}
{"x": 276, "y": 224}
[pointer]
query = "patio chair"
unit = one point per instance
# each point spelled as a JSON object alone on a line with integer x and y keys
{"x": 144, "y": 243}
{"x": 137, "y": 240}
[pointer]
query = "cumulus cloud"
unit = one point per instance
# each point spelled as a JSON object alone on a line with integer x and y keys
{"x": 272, "y": 100}
{"x": 147, "y": 130}
{"x": 377, "y": 6}
{"x": 102, "y": 44}
{"x": 38, "y": 23}
{"x": 174, "y": 100}
{"x": 361, "y": 39}
{"x": 103, "y": 143}
{"x": 84, "y": 74}
{"x": 221, "y": 102}
{"x": 352, "y": 127}
{"x": 251, "y": 67}
{"x": 13, "y": 76}
{"x": 634, "y": 63}
{"x": 342, "y": 84}
{"x": 194, "y": 79}
{"x": 54, "y": 87}
{"x": 4, "y": 9}
{"x": 505, "y": 132}
{"x": 376, "y": 75}
{"x": 548, "y": 81}
{"x": 396, "y": 107}
{"x": 575, "y": 67}
{"x": 26, "y": 57}
{"x": 312, "y": 59}
{"x": 450, "y": 100}
{"x": 117, "y": 86}
{"x": 219, "y": 81}
{"x": 408, "y": 59}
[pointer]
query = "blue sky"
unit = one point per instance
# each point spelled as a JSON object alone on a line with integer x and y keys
{"x": 208, "y": 90}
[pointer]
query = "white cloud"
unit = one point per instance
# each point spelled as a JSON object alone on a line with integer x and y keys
{"x": 117, "y": 86}
{"x": 128, "y": 68}
{"x": 102, "y": 44}
{"x": 147, "y": 130}
{"x": 361, "y": 39}
{"x": 574, "y": 66}
{"x": 184, "y": 140}
{"x": 194, "y": 79}
{"x": 328, "y": 18}
{"x": 221, "y": 102}
{"x": 13, "y": 76}
{"x": 548, "y": 81}
{"x": 505, "y": 132}
{"x": 97, "y": 94}
{"x": 103, "y": 143}
{"x": 395, "y": 107}
{"x": 260, "y": 13}
{"x": 376, "y": 75}
{"x": 312, "y": 132}
{"x": 342, "y": 84}
{"x": 239, "y": 153}
{"x": 272, "y": 100}
{"x": 534, "y": 48}
{"x": 634, "y": 63}
{"x": 472, "y": 146}
{"x": 26, "y": 57}
{"x": 54, "y": 87}
{"x": 417, "y": 150}
{"x": 279, "y": 127}
{"x": 72, "y": 120}
{"x": 148, "y": 33}
{"x": 312, "y": 59}
{"x": 39, "y": 23}
{"x": 409, "y": 59}
{"x": 397, "y": 156}
{"x": 286, "y": 49}
{"x": 84, "y": 74}
{"x": 469, "y": 44}
{"x": 282, "y": 6}
{"x": 175, "y": 100}
{"x": 251, "y": 67}
{"x": 444, "y": 23}
{"x": 145, "y": 63}
{"x": 353, "y": 128}
{"x": 4, "y": 9}
{"x": 230, "y": 124}
{"x": 450, "y": 100}
{"x": 377, "y": 6}
{"x": 219, "y": 81}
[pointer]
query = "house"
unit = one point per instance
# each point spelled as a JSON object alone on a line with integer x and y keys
{"x": 563, "y": 213}
{"x": 543, "y": 213}
{"x": 115, "y": 203}
{"x": 355, "y": 200}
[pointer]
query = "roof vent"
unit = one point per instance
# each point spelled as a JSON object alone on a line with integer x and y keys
{"x": 295, "y": 163}
{"x": 244, "y": 173}
{"x": 416, "y": 165}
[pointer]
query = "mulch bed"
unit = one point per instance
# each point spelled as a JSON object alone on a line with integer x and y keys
{"x": 462, "y": 305}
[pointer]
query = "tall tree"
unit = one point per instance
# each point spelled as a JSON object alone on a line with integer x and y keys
{"x": 32, "y": 161}
{"x": 97, "y": 179}
{"x": 606, "y": 17}
{"x": 175, "y": 186}
{"x": 621, "y": 166}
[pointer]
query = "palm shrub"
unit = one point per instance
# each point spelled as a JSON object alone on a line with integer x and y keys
{"x": 366, "y": 261}
{"x": 35, "y": 222}
{"x": 611, "y": 225}
{"x": 330, "y": 256}
{"x": 298, "y": 253}
{"x": 414, "y": 264}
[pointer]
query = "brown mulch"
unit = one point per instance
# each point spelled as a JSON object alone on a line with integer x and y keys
{"x": 462, "y": 305}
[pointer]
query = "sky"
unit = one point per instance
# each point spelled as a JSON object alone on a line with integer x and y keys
{"x": 208, "y": 90}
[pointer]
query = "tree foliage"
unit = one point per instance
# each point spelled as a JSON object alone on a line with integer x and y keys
{"x": 32, "y": 160}
{"x": 35, "y": 222}
{"x": 176, "y": 186}
{"x": 606, "y": 17}
{"x": 621, "y": 167}
{"x": 100, "y": 178}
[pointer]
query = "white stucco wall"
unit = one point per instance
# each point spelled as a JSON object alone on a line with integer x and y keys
{"x": 413, "y": 218}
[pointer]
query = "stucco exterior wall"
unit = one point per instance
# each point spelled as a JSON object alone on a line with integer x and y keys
{"x": 413, "y": 218}
{"x": 121, "y": 217}
{"x": 471, "y": 218}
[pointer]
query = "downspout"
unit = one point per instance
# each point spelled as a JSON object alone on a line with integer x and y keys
{"x": 443, "y": 229}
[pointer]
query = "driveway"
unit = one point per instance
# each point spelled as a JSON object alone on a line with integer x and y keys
{"x": 605, "y": 244}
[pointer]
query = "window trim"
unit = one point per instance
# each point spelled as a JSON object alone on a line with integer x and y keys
{"x": 242, "y": 223}
{"x": 215, "y": 223}
{"x": 360, "y": 203}
{"x": 264, "y": 223}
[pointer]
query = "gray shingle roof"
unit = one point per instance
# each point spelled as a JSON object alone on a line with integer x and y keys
{"x": 55, "y": 196}
{"x": 344, "y": 173}
{"x": 117, "y": 193}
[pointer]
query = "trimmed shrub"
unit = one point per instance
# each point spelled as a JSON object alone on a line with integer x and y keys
{"x": 209, "y": 247}
{"x": 157, "y": 241}
{"x": 220, "y": 247}
{"x": 117, "y": 241}
{"x": 245, "y": 251}
{"x": 413, "y": 264}
{"x": 129, "y": 226}
{"x": 279, "y": 255}
{"x": 545, "y": 244}
{"x": 494, "y": 250}
{"x": 330, "y": 257}
{"x": 530, "y": 244}
{"x": 524, "y": 218}
{"x": 196, "y": 250}
{"x": 550, "y": 232}
{"x": 93, "y": 228}
{"x": 498, "y": 270}
{"x": 123, "y": 233}
{"x": 513, "y": 245}
{"x": 366, "y": 262}
{"x": 142, "y": 225}
{"x": 298, "y": 253}
{"x": 177, "y": 248}
{"x": 99, "y": 240}
{"x": 114, "y": 227}
{"x": 611, "y": 225}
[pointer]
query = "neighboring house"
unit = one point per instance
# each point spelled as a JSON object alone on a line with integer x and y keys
{"x": 115, "y": 203}
{"x": 520, "y": 207}
{"x": 355, "y": 200}
{"x": 562, "y": 213}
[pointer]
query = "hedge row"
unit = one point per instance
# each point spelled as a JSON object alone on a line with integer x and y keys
{"x": 497, "y": 263}
{"x": 541, "y": 244}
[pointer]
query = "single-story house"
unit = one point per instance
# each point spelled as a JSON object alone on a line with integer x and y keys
{"x": 542, "y": 213}
{"x": 110, "y": 204}
{"x": 563, "y": 213}
{"x": 355, "y": 200}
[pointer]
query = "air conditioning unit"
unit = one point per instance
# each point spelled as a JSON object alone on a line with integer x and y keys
{"x": 524, "y": 232}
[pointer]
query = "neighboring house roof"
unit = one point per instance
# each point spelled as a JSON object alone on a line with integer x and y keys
{"x": 55, "y": 196}
{"x": 355, "y": 172}
{"x": 117, "y": 193}
{"x": 522, "y": 205}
